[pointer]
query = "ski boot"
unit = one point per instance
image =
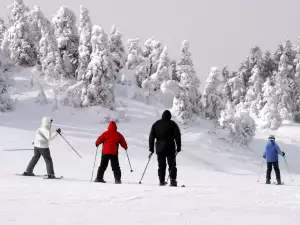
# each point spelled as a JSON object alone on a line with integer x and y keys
{"x": 28, "y": 174}
{"x": 162, "y": 183}
{"x": 173, "y": 183}
{"x": 100, "y": 181}
{"x": 118, "y": 182}
{"x": 268, "y": 181}
{"x": 279, "y": 182}
{"x": 51, "y": 176}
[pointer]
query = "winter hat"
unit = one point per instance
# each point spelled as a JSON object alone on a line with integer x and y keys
{"x": 166, "y": 115}
{"x": 271, "y": 137}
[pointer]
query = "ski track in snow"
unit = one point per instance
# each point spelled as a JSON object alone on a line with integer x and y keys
{"x": 220, "y": 179}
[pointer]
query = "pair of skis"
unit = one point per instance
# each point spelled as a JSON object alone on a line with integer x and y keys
{"x": 60, "y": 177}
{"x": 43, "y": 176}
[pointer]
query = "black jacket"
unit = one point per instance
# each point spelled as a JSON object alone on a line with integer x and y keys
{"x": 166, "y": 132}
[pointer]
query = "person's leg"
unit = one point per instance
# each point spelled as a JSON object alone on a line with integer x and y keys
{"x": 102, "y": 167}
{"x": 45, "y": 152}
{"x": 32, "y": 163}
{"x": 277, "y": 172}
{"x": 269, "y": 170}
{"x": 114, "y": 161}
{"x": 161, "y": 159}
{"x": 172, "y": 168}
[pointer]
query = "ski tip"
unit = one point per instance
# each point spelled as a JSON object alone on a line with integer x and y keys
{"x": 183, "y": 185}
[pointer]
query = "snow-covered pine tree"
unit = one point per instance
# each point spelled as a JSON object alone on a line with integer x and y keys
{"x": 174, "y": 74}
{"x": 239, "y": 124}
{"x": 135, "y": 55}
{"x": 6, "y": 102}
{"x": 22, "y": 46}
{"x": 85, "y": 47}
{"x": 225, "y": 74}
{"x": 100, "y": 74}
{"x": 51, "y": 61}
{"x": 296, "y": 89}
{"x": 65, "y": 30}
{"x": 141, "y": 74}
{"x": 3, "y": 29}
{"x": 283, "y": 89}
{"x": 237, "y": 88}
{"x": 117, "y": 50}
{"x": 182, "y": 107}
{"x": 256, "y": 57}
{"x": 268, "y": 66}
{"x": 212, "y": 101}
{"x": 151, "y": 51}
{"x": 162, "y": 73}
{"x": 270, "y": 115}
{"x": 189, "y": 85}
{"x": 17, "y": 11}
{"x": 35, "y": 17}
{"x": 252, "y": 100}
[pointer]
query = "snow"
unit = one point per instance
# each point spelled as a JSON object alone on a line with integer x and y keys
{"x": 220, "y": 178}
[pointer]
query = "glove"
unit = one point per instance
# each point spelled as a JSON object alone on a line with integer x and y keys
{"x": 283, "y": 154}
{"x": 150, "y": 155}
{"x": 264, "y": 156}
{"x": 178, "y": 150}
{"x": 58, "y": 130}
{"x": 96, "y": 145}
{"x": 33, "y": 143}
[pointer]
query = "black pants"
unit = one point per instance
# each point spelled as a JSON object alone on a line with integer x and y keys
{"x": 38, "y": 152}
{"x": 162, "y": 165}
{"x": 114, "y": 162}
{"x": 276, "y": 168}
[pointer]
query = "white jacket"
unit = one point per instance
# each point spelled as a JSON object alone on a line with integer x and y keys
{"x": 43, "y": 134}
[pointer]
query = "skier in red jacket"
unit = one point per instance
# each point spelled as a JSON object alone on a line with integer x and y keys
{"x": 110, "y": 140}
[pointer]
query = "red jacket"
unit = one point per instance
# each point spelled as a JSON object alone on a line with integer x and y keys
{"x": 111, "y": 140}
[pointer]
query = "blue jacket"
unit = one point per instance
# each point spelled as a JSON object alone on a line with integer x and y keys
{"x": 272, "y": 151}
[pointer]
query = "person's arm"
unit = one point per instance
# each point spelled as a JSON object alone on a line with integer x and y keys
{"x": 100, "y": 139}
{"x": 53, "y": 136}
{"x": 177, "y": 137}
{"x": 45, "y": 133}
{"x": 152, "y": 137}
{"x": 265, "y": 152}
{"x": 123, "y": 142}
{"x": 279, "y": 152}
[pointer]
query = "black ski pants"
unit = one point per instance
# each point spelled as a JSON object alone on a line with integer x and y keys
{"x": 38, "y": 152}
{"x": 274, "y": 165}
{"x": 162, "y": 158}
{"x": 114, "y": 162}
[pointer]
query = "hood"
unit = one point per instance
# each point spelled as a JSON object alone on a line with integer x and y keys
{"x": 166, "y": 115}
{"x": 112, "y": 126}
{"x": 271, "y": 142}
{"x": 46, "y": 122}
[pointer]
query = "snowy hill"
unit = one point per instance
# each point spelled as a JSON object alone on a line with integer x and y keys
{"x": 221, "y": 179}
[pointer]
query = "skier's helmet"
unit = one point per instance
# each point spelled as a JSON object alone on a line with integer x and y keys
{"x": 271, "y": 137}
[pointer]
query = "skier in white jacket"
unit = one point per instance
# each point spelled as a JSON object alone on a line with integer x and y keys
{"x": 41, "y": 148}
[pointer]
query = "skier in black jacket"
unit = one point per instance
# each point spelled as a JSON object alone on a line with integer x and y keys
{"x": 166, "y": 132}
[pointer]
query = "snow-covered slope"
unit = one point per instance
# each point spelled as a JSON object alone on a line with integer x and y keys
{"x": 221, "y": 179}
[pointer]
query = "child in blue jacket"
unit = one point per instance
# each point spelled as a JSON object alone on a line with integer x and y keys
{"x": 271, "y": 153}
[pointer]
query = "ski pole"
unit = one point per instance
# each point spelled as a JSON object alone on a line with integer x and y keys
{"x": 287, "y": 166}
{"x": 262, "y": 166}
{"x": 18, "y": 149}
{"x": 94, "y": 164}
{"x": 129, "y": 161}
{"x": 173, "y": 164}
{"x": 70, "y": 145}
{"x": 145, "y": 169}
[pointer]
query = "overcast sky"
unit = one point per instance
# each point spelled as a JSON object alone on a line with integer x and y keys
{"x": 219, "y": 31}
